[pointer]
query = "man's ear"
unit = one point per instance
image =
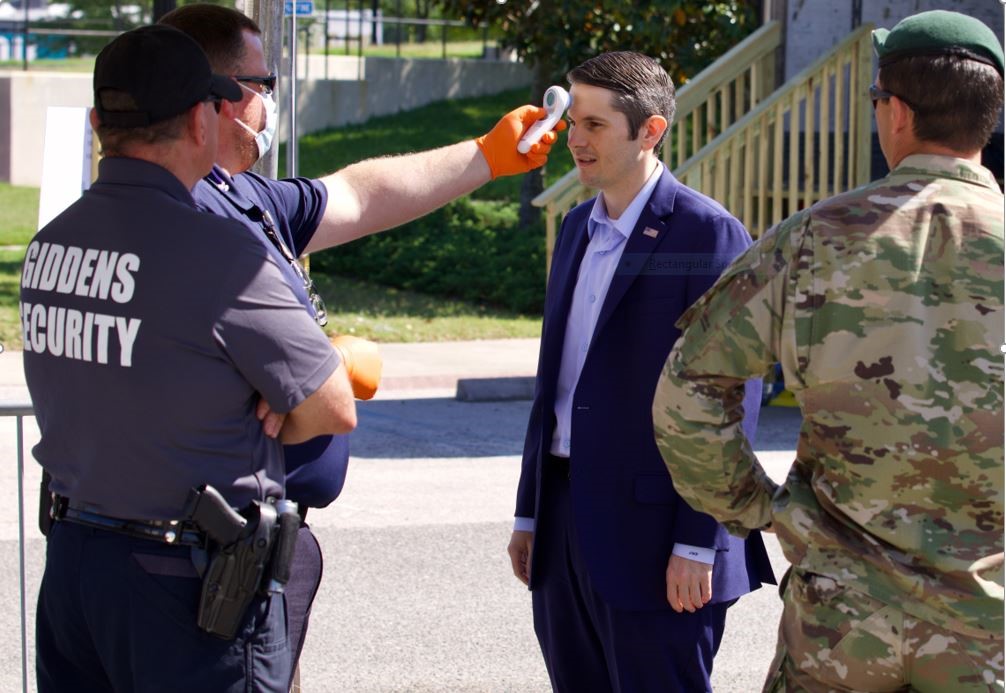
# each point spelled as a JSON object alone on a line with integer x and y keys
{"x": 197, "y": 123}
{"x": 228, "y": 109}
{"x": 652, "y": 130}
{"x": 902, "y": 117}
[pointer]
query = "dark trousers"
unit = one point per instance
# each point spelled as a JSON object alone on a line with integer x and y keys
{"x": 590, "y": 647}
{"x": 119, "y": 614}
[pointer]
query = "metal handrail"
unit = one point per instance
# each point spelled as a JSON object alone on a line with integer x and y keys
{"x": 21, "y": 410}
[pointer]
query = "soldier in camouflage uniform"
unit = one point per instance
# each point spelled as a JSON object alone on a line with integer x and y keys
{"x": 884, "y": 306}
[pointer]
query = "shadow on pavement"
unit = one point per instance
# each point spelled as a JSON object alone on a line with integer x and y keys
{"x": 440, "y": 427}
{"x": 445, "y": 427}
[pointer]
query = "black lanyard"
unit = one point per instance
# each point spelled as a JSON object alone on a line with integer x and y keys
{"x": 264, "y": 219}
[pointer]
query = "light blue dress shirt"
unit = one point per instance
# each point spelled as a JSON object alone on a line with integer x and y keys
{"x": 600, "y": 259}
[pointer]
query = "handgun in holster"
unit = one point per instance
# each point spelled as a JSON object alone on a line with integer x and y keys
{"x": 249, "y": 552}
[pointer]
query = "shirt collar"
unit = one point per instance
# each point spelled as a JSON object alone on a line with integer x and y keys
{"x": 627, "y": 222}
{"x": 948, "y": 166}
{"x": 121, "y": 170}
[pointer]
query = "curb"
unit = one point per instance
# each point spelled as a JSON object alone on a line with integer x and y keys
{"x": 495, "y": 389}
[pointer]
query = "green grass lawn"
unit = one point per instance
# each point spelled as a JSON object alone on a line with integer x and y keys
{"x": 81, "y": 64}
{"x": 19, "y": 216}
{"x": 10, "y": 276}
{"x": 431, "y": 49}
{"x": 391, "y": 315}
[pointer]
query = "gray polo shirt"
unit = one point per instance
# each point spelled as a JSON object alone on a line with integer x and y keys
{"x": 150, "y": 331}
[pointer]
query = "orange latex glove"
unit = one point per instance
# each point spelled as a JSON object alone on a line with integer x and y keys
{"x": 363, "y": 364}
{"x": 499, "y": 145}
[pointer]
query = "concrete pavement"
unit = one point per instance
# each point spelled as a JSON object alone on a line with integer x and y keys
{"x": 417, "y": 593}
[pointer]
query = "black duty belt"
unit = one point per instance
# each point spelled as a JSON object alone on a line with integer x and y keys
{"x": 174, "y": 532}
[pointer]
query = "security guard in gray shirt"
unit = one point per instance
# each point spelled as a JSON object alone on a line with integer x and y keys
{"x": 156, "y": 338}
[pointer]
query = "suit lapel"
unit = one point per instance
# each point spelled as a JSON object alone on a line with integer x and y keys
{"x": 645, "y": 238}
{"x": 565, "y": 269}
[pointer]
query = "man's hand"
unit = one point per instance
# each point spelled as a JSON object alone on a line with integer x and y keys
{"x": 499, "y": 145}
{"x": 363, "y": 364}
{"x": 689, "y": 584}
{"x": 272, "y": 423}
{"x": 520, "y": 554}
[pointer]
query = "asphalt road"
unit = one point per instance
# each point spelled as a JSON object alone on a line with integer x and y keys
{"x": 418, "y": 595}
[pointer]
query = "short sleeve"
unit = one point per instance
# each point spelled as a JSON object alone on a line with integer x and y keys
{"x": 263, "y": 329}
{"x": 296, "y": 204}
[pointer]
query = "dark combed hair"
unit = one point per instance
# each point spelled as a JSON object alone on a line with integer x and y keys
{"x": 116, "y": 141}
{"x": 642, "y": 87}
{"x": 956, "y": 101}
{"x": 217, "y": 29}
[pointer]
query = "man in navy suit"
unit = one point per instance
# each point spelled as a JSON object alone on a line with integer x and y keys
{"x": 629, "y": 585}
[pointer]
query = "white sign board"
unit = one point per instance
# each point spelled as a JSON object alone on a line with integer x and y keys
{"x": 66, "y": 160}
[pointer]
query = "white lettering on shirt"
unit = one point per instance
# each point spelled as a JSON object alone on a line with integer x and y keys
{"x": 84, "y": 335}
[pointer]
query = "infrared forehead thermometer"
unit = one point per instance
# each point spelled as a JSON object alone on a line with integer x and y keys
{"x": 556, "y": 101}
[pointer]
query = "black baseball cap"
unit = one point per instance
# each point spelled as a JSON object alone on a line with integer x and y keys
{"x": 163, "y": 69}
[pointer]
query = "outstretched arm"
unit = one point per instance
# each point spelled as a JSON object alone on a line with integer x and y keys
{"x": 381, "y": 193}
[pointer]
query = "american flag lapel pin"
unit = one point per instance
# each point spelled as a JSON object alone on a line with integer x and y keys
{"x": 650, "y": 232}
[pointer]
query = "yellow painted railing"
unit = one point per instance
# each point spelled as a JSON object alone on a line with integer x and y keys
{"x": 806, "y": 142}
{"x": 762, "y": 156}
{"x": 706, "y": 106}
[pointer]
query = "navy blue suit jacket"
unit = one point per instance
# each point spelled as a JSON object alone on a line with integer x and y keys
{"x": 626, "y": 511}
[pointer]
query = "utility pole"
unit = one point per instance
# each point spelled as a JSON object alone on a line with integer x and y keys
{"x": 268, "y": 14}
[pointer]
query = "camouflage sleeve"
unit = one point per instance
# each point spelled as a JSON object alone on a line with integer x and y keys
{"x": 736, "y": 331}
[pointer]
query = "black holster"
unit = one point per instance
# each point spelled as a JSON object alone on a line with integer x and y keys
{"x": 46, "y": 501}
{"x": 249, "y": 553}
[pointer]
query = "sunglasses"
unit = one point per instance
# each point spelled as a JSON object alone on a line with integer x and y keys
{"x": 216, "y": 101}
{"x": 878, "y": 94}
{"x": 268, "y": 83}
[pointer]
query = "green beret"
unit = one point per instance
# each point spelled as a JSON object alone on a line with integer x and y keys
{"x": 939, "y": 32}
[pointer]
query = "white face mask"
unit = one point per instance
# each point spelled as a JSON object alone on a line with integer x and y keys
{"x": 263, "y": 140}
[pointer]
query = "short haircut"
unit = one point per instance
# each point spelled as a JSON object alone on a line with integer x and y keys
{"x": 218, "y": 30}
{"x": 956, "y": 101}
{"x": 642, "y": 86}
{"x": 116, "y": 141}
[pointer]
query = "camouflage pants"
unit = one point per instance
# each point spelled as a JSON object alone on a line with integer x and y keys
{"x": 832, "y": 638}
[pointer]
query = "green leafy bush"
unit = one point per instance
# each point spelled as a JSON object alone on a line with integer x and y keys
{"x": 468, "y": 249}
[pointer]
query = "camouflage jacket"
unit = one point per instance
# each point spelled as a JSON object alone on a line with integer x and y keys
{"x": 884, "y": 306}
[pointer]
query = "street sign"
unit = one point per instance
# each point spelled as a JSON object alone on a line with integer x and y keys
{"x": 300, "y": 8}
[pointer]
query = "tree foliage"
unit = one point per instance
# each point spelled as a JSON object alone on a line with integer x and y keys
{"x": 685, "y": 35}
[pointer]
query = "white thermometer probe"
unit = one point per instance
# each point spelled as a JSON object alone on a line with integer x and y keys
{"x": 556, "y": 102}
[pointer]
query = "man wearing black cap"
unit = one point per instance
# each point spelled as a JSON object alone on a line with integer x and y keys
{"x": 298, "y": 215}
{"x": 884, "y": 306}
{"x": 151, "y": 360}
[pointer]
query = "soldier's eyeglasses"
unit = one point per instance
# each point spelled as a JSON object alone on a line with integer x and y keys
{"x": 267, "y": 83}
{"x": 878, "y": 94}
{"x": 216, "y": 101}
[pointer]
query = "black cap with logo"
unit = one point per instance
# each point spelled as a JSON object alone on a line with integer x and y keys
{"x": 164, "y": 71}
